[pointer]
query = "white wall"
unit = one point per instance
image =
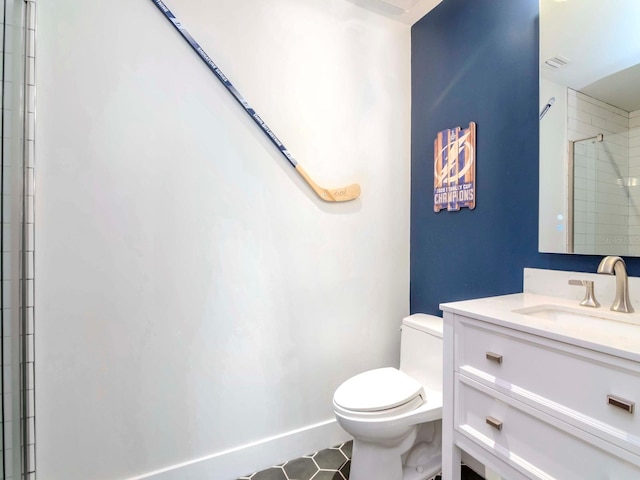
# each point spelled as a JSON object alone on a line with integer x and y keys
{"x": 553, "y": 206}
{"x": 193, "y": 295}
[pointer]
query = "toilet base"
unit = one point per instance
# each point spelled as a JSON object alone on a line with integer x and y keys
{"x": 424, "y": 460}
{"x": 370, "y": 461}
{"x": 423, "y": 472}
{"x": 420, "y": 451}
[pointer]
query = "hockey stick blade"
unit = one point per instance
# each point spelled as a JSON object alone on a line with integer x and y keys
{"x": 344, "y": 194}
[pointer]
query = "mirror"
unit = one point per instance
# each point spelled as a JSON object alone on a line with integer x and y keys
{"x": 589, "y": 127}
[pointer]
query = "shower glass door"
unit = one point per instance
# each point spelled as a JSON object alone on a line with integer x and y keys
{"x": 17, "y": 98}
{"x": 605, "y": 194}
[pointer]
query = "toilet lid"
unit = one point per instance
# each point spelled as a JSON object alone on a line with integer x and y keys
{"x": 377, "y": 390}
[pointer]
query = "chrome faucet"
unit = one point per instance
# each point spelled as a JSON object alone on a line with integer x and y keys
{"x": 616, "y": 266}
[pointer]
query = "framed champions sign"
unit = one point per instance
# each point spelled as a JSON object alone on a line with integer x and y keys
{"x": 454, "y": 169}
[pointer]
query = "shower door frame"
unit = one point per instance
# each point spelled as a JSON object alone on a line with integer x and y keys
{"x": 18, "y": 231}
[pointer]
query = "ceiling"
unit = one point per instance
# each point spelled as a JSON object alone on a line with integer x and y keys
{"x": 601, "y": 42}
{"x": 621, "y": 89}
{"x": 405, "y": 11}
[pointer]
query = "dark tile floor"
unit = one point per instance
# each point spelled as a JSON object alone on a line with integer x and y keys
{"x": 330, "y": 464}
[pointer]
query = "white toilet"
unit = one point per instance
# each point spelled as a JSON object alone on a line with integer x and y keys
{"x": 394, "y": 416}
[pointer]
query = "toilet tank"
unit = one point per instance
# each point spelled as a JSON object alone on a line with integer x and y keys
{"x": 421, "y": 349}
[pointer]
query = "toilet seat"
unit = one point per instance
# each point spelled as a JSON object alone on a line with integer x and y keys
{"x": 379, "y": 393}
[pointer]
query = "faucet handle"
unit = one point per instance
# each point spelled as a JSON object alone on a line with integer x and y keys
{"x": 589, "y": 299}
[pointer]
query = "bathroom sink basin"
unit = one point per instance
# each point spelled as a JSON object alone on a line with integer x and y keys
{"x": 580, "y": 317}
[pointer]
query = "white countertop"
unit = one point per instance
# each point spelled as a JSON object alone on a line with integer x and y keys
{"x": 616, "y": 334}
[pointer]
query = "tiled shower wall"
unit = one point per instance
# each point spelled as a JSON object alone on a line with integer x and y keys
{"x": 18, "y": 129}
{"x": 634, "y": 172}
{"x": 601, "y": 203}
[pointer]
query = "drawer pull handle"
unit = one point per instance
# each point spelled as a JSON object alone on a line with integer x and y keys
{"x": 626, "y": 405}
{"x": 494, "y": 357}
{"x": 497, "y": 424}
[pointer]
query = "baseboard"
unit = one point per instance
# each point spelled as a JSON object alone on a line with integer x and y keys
{"x": 246, "y": 459}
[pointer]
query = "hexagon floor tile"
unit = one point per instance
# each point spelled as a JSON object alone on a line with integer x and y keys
{"x": 330, "y": 464}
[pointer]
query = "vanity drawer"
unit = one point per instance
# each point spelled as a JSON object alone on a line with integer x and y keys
{"x": 563, "y": 380}
{"x": 538, "y": 449}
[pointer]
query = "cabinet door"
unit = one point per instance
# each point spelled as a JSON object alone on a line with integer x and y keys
{"x": 537, "y": 445}
{"x": 590, "y": 390}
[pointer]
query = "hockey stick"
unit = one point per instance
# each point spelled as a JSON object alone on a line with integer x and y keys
{"x": 344, "y": 194}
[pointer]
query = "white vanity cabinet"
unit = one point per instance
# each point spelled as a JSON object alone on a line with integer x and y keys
{"x": 533, "y": 400}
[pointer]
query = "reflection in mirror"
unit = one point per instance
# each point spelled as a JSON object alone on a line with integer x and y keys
{"x": 590, "y": 127}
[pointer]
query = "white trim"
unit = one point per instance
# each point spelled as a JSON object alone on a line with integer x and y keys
{"x": 255, "y": 456}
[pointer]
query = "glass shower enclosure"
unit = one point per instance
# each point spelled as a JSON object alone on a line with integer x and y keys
{"x": 17, "y": 125}
{"x": 604, "y": 185}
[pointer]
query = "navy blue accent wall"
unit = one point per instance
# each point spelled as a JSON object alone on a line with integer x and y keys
{"x": 477, "y": 60}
